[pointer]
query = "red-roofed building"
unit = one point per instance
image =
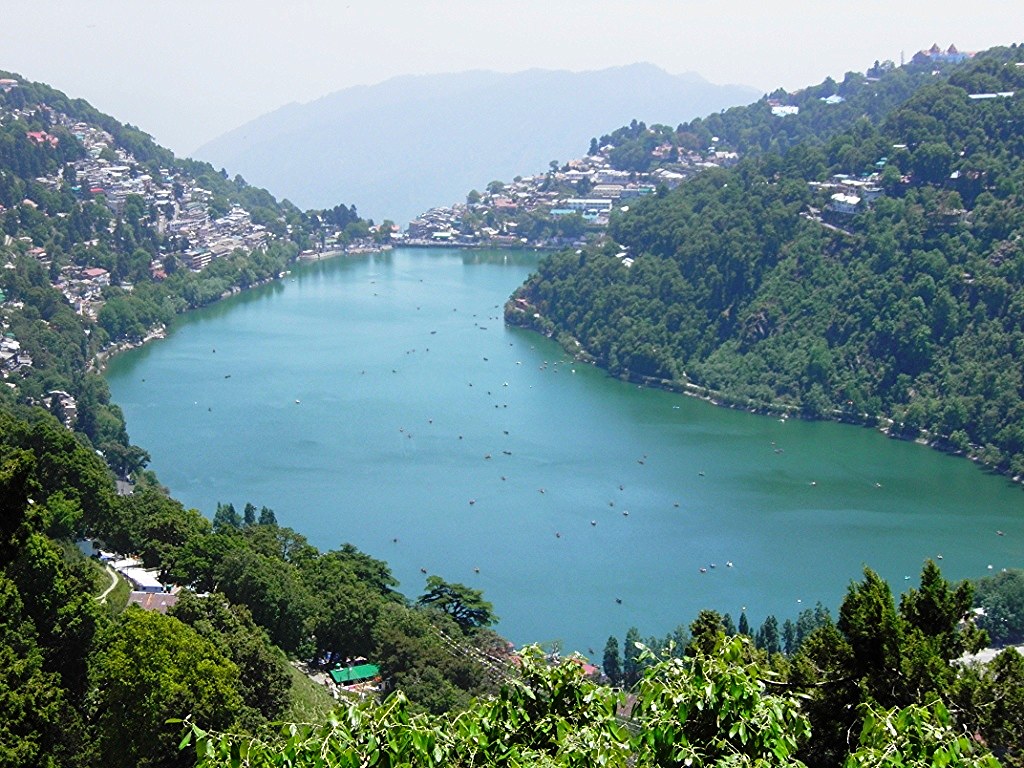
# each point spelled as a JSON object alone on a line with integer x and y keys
{"x": 951, "y": 55}
{"x": 97, "y": 275}
{"x": 160, "y": 602}
{"x": 42, "y": 137}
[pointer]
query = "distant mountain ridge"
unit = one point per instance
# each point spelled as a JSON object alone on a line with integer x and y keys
{"x": 415, "y": 141}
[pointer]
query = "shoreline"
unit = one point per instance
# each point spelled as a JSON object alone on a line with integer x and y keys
{"x": 428, "y": 244}
{"x": 517, "y": 316}
{"x": 309, "y": 257}
{"x": 882, "y": 423}
{"x": 98, "y": 364}
{"x": 99, "y": 361}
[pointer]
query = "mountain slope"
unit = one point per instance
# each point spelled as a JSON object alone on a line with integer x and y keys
{"x": 417, "y": 141}
{"x": 873, "y": 274}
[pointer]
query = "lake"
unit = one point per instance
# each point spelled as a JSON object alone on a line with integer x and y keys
{"x": 380, "y": 400}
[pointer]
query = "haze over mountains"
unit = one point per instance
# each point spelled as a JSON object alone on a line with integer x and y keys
{"x": 404, "y": 145}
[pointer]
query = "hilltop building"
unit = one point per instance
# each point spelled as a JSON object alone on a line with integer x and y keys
{"x": 936, "y": 55}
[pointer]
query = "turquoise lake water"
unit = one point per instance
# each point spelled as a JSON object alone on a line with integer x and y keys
{"x": 377, "y": 398}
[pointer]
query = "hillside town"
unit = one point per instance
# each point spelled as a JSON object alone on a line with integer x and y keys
{"x": 562, "y": 207}
{"x": 200, "y": 227}
{"x": 178, "y": 206}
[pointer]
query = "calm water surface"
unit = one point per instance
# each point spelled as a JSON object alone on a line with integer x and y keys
{"x": 381, "y": 397}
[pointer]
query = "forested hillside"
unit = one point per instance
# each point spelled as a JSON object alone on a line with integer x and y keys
{"x": 85, "y": 682}
{"x": 869, "y": 274}
{"x": 813, "y": 114}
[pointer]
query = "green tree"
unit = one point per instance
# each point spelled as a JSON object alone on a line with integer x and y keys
{"x": 151, "y": 668}
{"x": 789, "y": 644}
{"x": 918, "y": 736}
{"x": 16, "y": 485}
{"x": 264, "y": 681}
{"x": 57, "y": 596}
{"x": 631, "y": 651}
{"x": 125, "y": 460}
{"x": 768, "y": 637}
{"x": 728, "y": 626}
{"x": 274, "y": 591}
{"x": 1001, "y": 598}
{"x": 424, "y": 654}
{"x": 152, "y": 524}
{"x": 713, "y": 710}
{"x": 612, "y": 661}
{"x": 226, "y": 518}
{"x": 384, "y": 230}
{"x": 706, "y": 632}
{"x": 267, "y": 516}
{"x": 37, "y": 724}
{"x": 989, "y": 701}
{"x": 822, "y": 667}
{"x": 937, "y": 611}
{"x": 870, "y": 624}
{"x": 464, "y": 604}
{"x": 348, "y": 607}
{"x": 744, "y": 625}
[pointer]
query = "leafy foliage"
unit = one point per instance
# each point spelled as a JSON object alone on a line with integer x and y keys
{"x": 263, "y": 677}
{"x": 915, "y": 736}
{"x": 1001, "y": 599}
{"x": 712, "y": 709}
{"x": 464, "y": 604}
{"x": 150, "y": 669}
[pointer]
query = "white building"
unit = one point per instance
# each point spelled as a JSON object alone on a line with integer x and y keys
{"x": 843, "y": 203}
{"x": 601, "y": 205}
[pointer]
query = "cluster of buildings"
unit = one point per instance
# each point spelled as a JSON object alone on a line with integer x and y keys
{"x": 13, "y": 359}
{"x": 936, "y": 55}
{"x": 589, "y": 186}
{"x": 83, "y": 288}
{"x": 780, "y": 108}
{"x": 178, "y": 205}
{"x": 849, "y": 195}
{"x": 148, "y": 591}
{"x": 173, "y": 204}
{"x": 63, "y": 404}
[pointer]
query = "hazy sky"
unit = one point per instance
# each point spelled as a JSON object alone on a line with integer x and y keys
{"x": 187, "y": 71}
